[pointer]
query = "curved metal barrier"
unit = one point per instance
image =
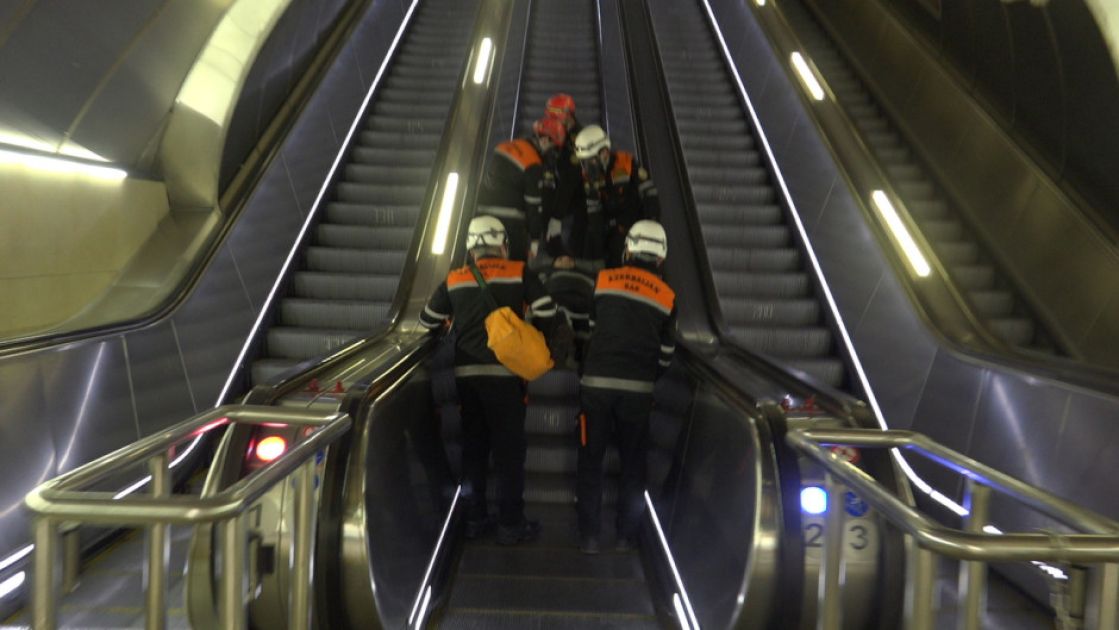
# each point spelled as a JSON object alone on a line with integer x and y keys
{"x": 1097, "y": 540}
{"x": 65, "y": 500}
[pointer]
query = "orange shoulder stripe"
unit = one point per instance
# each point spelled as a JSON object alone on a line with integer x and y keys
{"x": 638, "y": 284}
{"x": 493, "y": 270}
{"x": 519, "y": 151}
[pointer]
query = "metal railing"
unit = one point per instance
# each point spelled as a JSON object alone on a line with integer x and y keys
{"x": 1097, "y": 541}
{"x": 62, "y": 501}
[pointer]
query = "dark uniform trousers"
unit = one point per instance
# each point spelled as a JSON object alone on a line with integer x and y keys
{"x": 625, "y": 417}
{"x": 493, "y": 413}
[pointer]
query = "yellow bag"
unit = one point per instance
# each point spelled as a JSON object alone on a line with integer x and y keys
{"x": 518, "y": 345}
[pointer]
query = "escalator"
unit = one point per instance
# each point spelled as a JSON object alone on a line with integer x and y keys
{"x": 351, "y": 267}
{"x": 561, "y": 56}
{"x": 766, "y": 291}
{"x": 549, "y": 581}
{"x": 390, "y": 532}
{"x": 987, "y": 288}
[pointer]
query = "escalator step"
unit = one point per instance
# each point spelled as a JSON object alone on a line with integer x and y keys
{"x": 556, "y": 384}
{"x": 560, "y": 490}
{"x": 763, "y": 285}
{"x": 992, "y": 304}
{"x": 369, "y": 261}
{"x": 942, "y": 230}
{"x": 334, "y": 313}
{"x": 746, "y": 312}
{"x": 714, "y": 127}
{"x": 554, "y": 418}
{"x": 731, "y": 175}
{"x": 829, "y": 371}
{"x": 704, "y": 111}
{"x": 371, "y": 214}
{"x": 973, "y": 277}
{"x": 416, "y": 108}
{"x": 927, "y": 210}
{"x": 341, "y": 286}
{"x": 401, "y": 156}
{"x": 745, "y": 259}
{"x": 738, "y": 214}
{"x": 786, "y": 342}
{"x": 754, "y": 195}
{"x": 306, "y": 343}
{"x": 958, "y": 252}
{"x": 1018, "y": 331}
{"x": 618, "y": 598}
{"x": 558, "y": 454}
{"x": 359, "y": 237}
{"x": 473, "y": 619}
{"x": 403, "y": 194}
{"x": 367, "y": 174}
{"x": 401, "y": 138}
{"x": 550, "y": 561}
{"x": 912, "y": 190}
{"x": 702, "y": 158}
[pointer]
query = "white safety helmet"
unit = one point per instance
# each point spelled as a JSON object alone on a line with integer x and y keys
{"x": 486, "y": 231}
{"x": 646, "y": 239}
{"x": 590, "y": 141}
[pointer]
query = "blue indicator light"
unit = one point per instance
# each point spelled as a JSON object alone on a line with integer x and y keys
{"x": 813, "y": 500}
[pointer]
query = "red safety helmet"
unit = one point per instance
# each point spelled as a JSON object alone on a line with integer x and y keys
{"x": 560, "y": 106}
{"x": 552, "y": 129}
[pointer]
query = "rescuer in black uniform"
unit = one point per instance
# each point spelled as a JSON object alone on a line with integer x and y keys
{"x": 632, "y": 343}
{"x": 512, "y": 189}
{"x": 618, "y": 191}
{"x": 564, "y": 193}
{"x": 492, "y": 397}
{"x": 570, "y": 282}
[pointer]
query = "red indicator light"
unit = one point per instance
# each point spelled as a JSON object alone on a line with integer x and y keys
{"x": 270, "y": 448}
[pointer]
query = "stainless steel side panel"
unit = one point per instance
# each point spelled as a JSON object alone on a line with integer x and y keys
{"x": 1059, "y": 436}
{"x": 79, "y": 401}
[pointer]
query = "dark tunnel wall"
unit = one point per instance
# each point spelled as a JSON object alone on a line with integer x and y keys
{"x": 1045, "y": 73}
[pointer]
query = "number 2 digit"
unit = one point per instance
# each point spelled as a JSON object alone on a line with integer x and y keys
{"x": 813, "y": 532}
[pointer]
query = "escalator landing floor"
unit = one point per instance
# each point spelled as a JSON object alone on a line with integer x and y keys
{"x": 548, "y": 583}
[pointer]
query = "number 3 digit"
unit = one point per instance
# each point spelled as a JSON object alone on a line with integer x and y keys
{"x": 861, "y": 541}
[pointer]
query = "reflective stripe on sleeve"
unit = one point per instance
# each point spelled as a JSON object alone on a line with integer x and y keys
{"x": 482, "y": 370}
{"x": 622, "y": 384}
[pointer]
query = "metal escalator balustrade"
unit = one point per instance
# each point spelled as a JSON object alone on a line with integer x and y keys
{"x": 350, "y": 270}
{"x": 69, "y": 499}
{"x": 988, "y": 290}
{"x": 764, "y": 287}
{"x": 1094, "y": 539}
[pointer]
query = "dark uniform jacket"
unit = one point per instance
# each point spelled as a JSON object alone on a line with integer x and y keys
{"x": 563, "y": 195}
{"x": 625, "y": 195}
{"x": 460, "y": 299}
{"x": 633, "y": 330}
{"x": 512, "y": 187}
{"x": 573, "y": 292}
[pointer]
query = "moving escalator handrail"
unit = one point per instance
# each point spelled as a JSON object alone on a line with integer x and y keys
{"x": 1100, "y": 534}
